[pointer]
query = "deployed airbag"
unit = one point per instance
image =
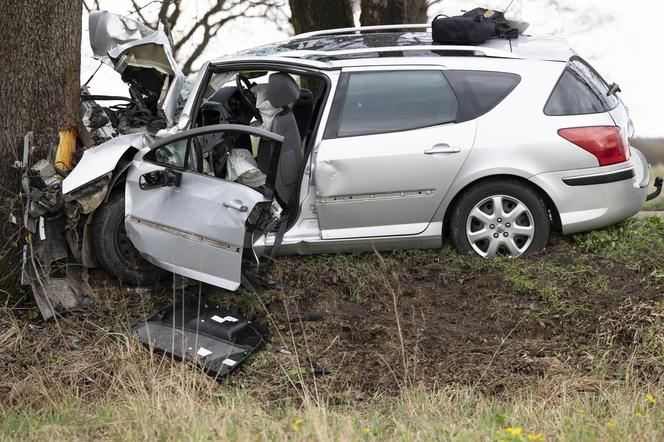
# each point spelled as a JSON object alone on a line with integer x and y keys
{"x": 241, "y": 167}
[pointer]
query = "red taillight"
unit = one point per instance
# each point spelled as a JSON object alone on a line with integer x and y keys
{"x": 605, "y": 142}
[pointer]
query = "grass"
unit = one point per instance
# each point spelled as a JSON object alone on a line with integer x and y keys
{"x": 147, "y": 397}
{"x": 548, "y": 279}
{"x": 637, "y": 241}
{"x": 174, "y": 403}
{"x": 85, "y": 379}
{"x": 657, "y": 203}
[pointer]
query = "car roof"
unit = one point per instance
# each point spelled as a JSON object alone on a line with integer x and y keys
{"x": 338, "y": 48}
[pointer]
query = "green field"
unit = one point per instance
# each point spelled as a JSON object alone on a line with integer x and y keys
{"x": 422, "y": 345}
{"x": 658, "y": 203}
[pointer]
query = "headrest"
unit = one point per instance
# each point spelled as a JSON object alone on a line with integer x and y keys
{"x": 282, "y": 90}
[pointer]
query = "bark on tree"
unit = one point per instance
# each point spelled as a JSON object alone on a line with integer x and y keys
{"x": 389, "y": 12}
{"x": 315, "y": 15}
{"x": 40, "y": 56}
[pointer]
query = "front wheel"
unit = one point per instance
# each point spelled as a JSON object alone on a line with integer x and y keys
{"x": 503, "y": 217}
{"x": 113, "y": 249}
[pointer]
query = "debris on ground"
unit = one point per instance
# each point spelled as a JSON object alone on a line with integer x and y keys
{"x": 202, "y": 331}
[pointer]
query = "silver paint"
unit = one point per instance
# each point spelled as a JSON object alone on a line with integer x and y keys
{"x": 120, "y": 41}
{"x": 381, "y": 191}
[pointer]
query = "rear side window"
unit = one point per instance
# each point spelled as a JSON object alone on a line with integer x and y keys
{"x": 579, "y": 91}
{"x": 480, "y": 91}
{"x": 380, "y": 102}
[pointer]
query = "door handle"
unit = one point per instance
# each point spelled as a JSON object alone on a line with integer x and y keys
{"x": 237, "y": 205}
{"x": 442, "y": 148}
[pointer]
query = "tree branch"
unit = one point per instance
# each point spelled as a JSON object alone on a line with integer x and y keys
{"x": 203, "y": 22}
{"x": 94, "y": 6}
{"x": 219, "y": 13}
{"x": 210, "y": 29}
{"x": 138, "y": 10}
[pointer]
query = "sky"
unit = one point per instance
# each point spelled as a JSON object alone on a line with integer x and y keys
{"x": 622, "y": 39}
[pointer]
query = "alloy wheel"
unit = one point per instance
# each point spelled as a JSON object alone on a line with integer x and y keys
{"x": 500, "y": 225}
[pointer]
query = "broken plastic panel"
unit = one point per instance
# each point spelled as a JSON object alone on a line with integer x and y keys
{"x": 202, "y": 331}
{"x": 58, "y": 284}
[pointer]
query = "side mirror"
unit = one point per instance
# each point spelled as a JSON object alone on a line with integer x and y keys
{"x": 159, "y": 178}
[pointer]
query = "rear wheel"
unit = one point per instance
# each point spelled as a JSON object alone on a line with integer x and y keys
{"x": 113, "y": 249}
{"x": 503, "y": 217}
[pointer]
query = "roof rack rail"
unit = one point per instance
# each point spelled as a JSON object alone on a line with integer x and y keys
{"x": 360, "y": 29}
{"x": 478, "y": 50}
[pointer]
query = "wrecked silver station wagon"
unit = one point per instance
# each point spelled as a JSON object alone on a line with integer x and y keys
{"x": 338, "y": 140}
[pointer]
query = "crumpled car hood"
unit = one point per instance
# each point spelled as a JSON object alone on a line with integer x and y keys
{"x": 121, "y": 42}
{"x": 102, "y": 159}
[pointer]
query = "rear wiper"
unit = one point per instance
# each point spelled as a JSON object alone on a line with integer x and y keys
{"x": 613, "y": 89}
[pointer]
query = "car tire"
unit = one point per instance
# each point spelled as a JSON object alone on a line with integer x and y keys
{"x": 520, "y": 226}
{"x": 113, "y": 249}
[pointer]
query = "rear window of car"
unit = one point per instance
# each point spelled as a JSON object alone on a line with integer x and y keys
{"x": 480, "y": 91}
{"x": 580, "y": 91}
{"x": 381, "y": 102}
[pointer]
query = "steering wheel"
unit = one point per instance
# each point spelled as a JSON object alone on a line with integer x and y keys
{"x": 248, "y": 97}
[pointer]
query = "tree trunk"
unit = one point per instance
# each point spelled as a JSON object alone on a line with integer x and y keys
{"x": 390, "y": 12}
{"x": 315, "y": 15}
{"x": 40, "y": 56}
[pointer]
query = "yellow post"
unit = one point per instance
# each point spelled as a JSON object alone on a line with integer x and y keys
{"x": 64, "y": 157}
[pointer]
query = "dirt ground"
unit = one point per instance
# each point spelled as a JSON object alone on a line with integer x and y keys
{"x": 371, "y": 324}
{"x": 424, "y": 322}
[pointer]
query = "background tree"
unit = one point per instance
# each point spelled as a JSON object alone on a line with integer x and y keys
{"x": 388, "y": 12}
{"x": 39, "y": 91}
{"x": 314, "y": 15}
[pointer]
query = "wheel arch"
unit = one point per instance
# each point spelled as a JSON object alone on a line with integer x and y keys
{"x": 118, "y": 178}
{"x": 555, "y": 215}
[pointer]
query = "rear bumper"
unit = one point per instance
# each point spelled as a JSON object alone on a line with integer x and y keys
{"x": 588, "y": 199}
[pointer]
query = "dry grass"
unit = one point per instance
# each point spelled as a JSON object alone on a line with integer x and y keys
{"x": 122, "y": 392}
{"x": 115, "y": 390}
{"x": 85, "y": 379}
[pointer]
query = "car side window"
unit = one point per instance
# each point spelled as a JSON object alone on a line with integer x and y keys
{"x": 176, "y": 155}
{"x": 227, "y": 155}
{"x": 381, "y": 102}
{"x": 480, "y": 91}
{"x": 597, "y": 83}
{"x": 579, "y": 91}
{"x": 171, "y": 155}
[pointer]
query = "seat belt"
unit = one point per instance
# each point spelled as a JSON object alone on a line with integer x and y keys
{"x": 283, "y": 223}
{"x": 279, "y": 236}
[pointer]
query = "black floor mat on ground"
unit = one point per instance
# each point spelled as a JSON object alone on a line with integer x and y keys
{"x": 200, "y": 330}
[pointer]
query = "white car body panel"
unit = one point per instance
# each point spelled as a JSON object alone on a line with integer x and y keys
{"x": 197, "y": 227}
{"x": 120, "y": 41}
{"x": 406, "y": 197}
{"x": 376, "y": 191}
{"x": 101, "y": 160}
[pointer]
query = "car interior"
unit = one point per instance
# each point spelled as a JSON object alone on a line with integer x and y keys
{"x": 279, "y": 102}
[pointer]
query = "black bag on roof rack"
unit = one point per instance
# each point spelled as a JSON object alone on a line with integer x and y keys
{"x": 472, "y": 28}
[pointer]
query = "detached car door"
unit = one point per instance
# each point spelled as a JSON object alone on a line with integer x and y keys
{"x": 189, "y": 222}
{"x": 390, "y": 151}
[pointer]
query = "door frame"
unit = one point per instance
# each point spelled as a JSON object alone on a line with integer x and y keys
{"x": 323, "y": 71}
